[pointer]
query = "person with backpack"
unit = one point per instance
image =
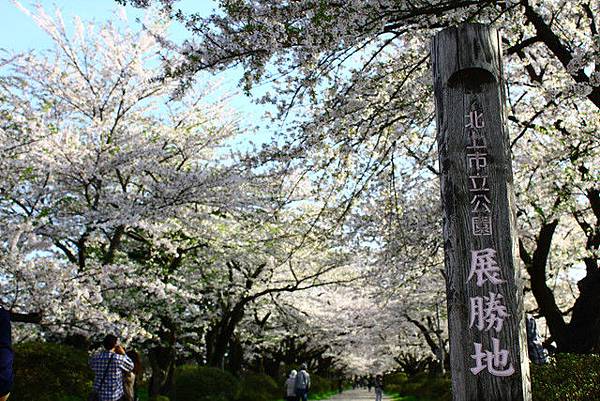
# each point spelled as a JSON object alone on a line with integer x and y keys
{"x": 302, "y": 383}
{"x": 6, "y": 355}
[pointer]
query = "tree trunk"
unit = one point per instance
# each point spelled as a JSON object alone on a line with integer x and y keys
{"x": 236, "y": 356}
{"x": 162, "y": 363}
{"x": 582, "y": 333}
{"x": 584, "y": 327}
{"x": 219, "y": 337}
{"x": 536, "y": 267}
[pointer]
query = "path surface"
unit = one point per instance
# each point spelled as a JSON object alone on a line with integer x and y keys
{"x": 355, "y": 395}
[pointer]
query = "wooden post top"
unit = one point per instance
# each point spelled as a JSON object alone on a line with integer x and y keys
{"x": 468, "y": 54}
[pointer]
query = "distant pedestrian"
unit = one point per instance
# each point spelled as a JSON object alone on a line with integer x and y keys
{"x": 535, "y": 349}
{"x": 369, "y": 382}
{"x": 109, "y": 367}
{"x": 290, "y": 386}
{"x": 6, "y": 355}
{"x": 378, "y": 387}
{"x": 302, "y": 383}
{"x": 132, "y": 379}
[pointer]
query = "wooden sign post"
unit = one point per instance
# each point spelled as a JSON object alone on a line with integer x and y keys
{"x": 488, "y": 347}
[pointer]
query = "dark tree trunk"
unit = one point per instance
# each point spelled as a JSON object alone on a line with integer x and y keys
{"x": 236, "y": 356}
{"x": 434, "y": 345}
{"x": 35, "y": 317}
{"x": 584, "y": 327}
{"x": 162, "y": 363}
{"x": 536, "y": 267}
{"x": 582, "y": 333}
{"x": 219, "y": 337}
{"x": 78, "y": 341}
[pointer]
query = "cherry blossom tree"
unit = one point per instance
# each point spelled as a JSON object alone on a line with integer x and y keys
{"x": 95, "y": 151}
{"x": 352, "y": 85}
{"x": 120, "y": 198}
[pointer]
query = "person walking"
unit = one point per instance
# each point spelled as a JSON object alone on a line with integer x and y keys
{"x": 131, "y": 379}
{"x": 109, "y": 367}
{"x": 290, "y": 386}
{"x": 302, "y": 383}
{"x": 378, "y": 387}
{"x": 6, "y": 355}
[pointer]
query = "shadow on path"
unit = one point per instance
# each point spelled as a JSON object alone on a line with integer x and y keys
{"x": 356, "y": 395}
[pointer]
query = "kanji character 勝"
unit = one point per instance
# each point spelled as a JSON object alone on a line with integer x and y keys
{"x": 488, "y": 312}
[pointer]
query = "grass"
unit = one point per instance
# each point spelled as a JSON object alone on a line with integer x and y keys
{"x": 398, "y": 397}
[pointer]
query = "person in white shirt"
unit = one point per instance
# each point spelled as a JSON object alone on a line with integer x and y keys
{"x": 290, "y": 387}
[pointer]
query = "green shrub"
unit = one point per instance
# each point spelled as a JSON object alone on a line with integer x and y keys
{"x": 567, "y": 377}
{"x": 201, "y": 383}
{"x": 143, "y": 394}
{"x": 438, "y": 389}
{"x": 395, "y": 379}
{"x": 420, "y": 386}
{"x": 321, "y": 385}
{"x": 392, "y": 388}
{"x": 50, "y": 372}
{"x": 259, "y": 387}
{"x": 322, "y": 396}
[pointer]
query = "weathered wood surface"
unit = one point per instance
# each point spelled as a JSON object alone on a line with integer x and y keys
{"x": 468, "y": 78}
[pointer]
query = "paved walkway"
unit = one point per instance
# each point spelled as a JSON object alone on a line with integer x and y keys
{"x": 356, "y": 395}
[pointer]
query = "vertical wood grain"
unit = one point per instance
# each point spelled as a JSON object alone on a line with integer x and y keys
{"x": 467, "y": 74}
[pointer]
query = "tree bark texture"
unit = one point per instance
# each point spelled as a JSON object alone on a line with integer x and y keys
{"x": 162, "y": 362}
{"x": 582, "y": 333}
{"x": 584, "y": 326}
{"x": 218, "y": 338}
{"x": 488, "y": 349}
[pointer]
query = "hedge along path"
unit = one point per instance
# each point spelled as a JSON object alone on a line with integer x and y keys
{"x": 356, "y": 395}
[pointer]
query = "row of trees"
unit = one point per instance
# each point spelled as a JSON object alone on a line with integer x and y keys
{"x": 125, "y": 210}
{"x": 353, "y": 81}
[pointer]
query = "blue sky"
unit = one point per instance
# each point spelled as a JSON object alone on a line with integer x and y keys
{"x": 19, "y": 33}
